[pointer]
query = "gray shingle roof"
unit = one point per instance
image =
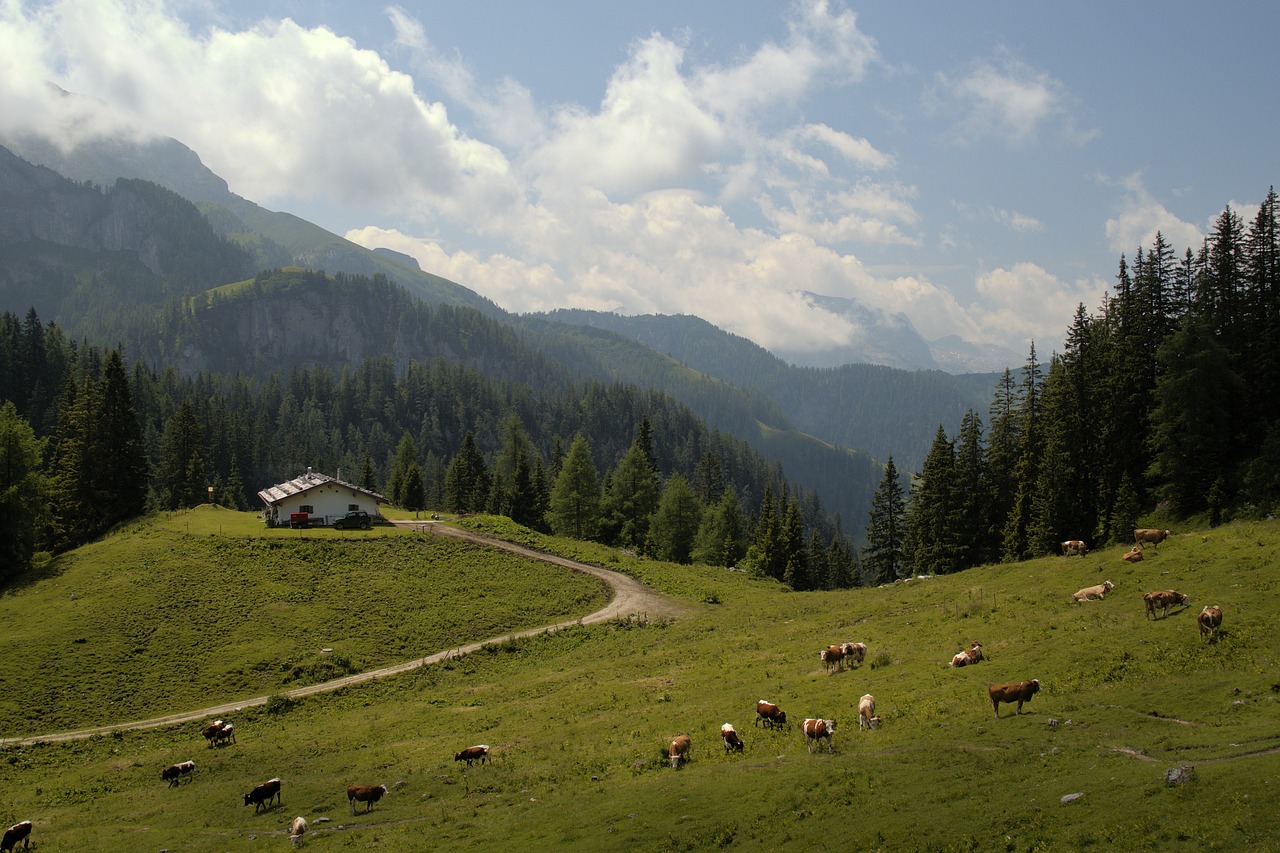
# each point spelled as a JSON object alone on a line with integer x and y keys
{"x": 305, "y": 483}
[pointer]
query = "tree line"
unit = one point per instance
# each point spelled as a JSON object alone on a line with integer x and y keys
{"x": 86, "y": 442}
{"x": 1165, "y": 399}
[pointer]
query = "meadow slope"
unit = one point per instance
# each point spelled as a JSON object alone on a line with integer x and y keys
{"x": 578, "y": 720}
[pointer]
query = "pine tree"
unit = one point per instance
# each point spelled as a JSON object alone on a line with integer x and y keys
{"x": 766, "y": 540}
{"x": 970, "y": 499}
{"x": 882, "y": 559}
{"x": 674, "y": 524}
{"x": 1002, "y": 460}
{"x": 184, "y": 469}
{"x": 406, "y": 458}
{"x": 1016, "y": 538}
{"x": 632, "y": 496}
{"x": 22, "y": 491}
{"x": 797, "y": 572}
{"x": 575, "y": 498}
{"x": 928, "y": 538}
{"x": 414, "y": 493}
{"x": 121, "y": 470}
{"x": 720, "y": 540}
{"x": 467, "y": 480}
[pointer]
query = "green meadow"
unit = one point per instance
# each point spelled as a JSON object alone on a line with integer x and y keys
{"x": 204, "y": 607}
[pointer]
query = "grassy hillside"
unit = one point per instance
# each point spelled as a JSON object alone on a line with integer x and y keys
{"x": 578, "y": 720}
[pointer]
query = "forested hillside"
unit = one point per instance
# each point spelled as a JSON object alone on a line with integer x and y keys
{"x": 882, "y": 410}
{"x": 1167, "y": 399}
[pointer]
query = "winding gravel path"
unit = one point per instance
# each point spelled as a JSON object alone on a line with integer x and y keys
{"x": 630, "y": 597}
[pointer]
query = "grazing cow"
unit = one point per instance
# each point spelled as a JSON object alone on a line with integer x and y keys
{"x": 262, "y": 796}
{"x": 1134, "y": 555}
{"x": 770, "y": 714}
{"x": 1094, "y": 593}
{"x": 1166, "y": 600}
{"x": 678, "y": 752}
{"x": 968, "y": 656}
{"x": 1074, "y": 548}
{"x": 1210, "y": 620}
{"x": 1019, "y": 692}
{"x": 1143, "y": 535}
{"x": 14, "y": 834}
{"x": 227, "y": 734}
{"x": 832, "y": 657}
{"x": 816, "y": 731}
{"x": 174, "y": 772}
{"x": 367, "y": 794}
{"x": 297, "y": 830}
{"x": 212, "y": 731}
{"x": 479, "y": 752}
{"x": 732, "y": 743}
{"x": 855, "y": 651}
{"x": 867, "y": 718}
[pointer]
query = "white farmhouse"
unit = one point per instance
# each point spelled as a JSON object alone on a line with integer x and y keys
{"x": 321, "y": 497}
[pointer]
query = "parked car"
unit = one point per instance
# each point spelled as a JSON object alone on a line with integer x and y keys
{"x": 356, "y": 519}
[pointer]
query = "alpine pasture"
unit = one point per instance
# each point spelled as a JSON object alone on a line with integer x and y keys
{"x": 195, "y": 609}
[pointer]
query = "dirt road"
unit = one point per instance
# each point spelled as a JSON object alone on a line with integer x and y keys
{"x": 629, "y": 597}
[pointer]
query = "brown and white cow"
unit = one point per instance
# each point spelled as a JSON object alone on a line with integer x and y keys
{"x": 262, "y": 796}
{"x": 1094, "y": 593}
{"x": 479, "y": 752}
{"x": 732, "y": 743}
{"x": 367, "y": 794}
{"x": 1133, "y": 555}
{"x": 770, "y": 714}
{"x": 832, "y": 657}
{"x": 1166, "y": 600}
{"x": 678, "y": 752}
{"x": 1074, "y": 548}
{"x": 968, "y": 656}
{"x": 857, "y": 652}
{"x": 174, "y": 772}
{"x": 18, "y": 832}
{"x": 818, "y": 730}
{"x": 212, "y": 731}
{"x": 1210, "y": 621}
{"x": 867, "y": 718}
{"x": 297, "y": 830}
{"x": 1020, "y": 691}
{"x": 226, "y": 735}
{"x": 1143, "y": 535}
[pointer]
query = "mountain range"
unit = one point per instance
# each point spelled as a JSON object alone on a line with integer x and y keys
{"x": 113, "y": 225}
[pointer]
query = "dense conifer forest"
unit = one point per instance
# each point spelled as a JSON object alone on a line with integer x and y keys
{"x": 1164, "y": 400}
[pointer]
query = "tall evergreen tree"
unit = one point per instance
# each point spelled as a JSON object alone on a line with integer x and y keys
{"x": 405, "y": 459}
{"x": 22, "y": 491}
{"x": 1027, "y": 471}
{"x": 575, "y": 498}
{"x": 121, "y": 467}
{"x": 633, "y": 495}
{"x": 1002, "y": 461}
{"x": 674, "y": 524}
{"x": 971, "y": 502}
{"x": 721, "y": 539}
{"x": 882, "y": 559}
{"x": 184, "y": 468}
{"x": 467, "y": 480}
{"x": 928, "y": 537}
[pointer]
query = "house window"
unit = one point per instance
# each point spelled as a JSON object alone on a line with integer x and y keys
{"x": 307, "y": 508}
{"x": 352, "y": 507}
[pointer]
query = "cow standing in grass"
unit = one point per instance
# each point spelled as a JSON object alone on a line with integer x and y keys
{"x": 1210, "y": 622}
{"x": 770, "y": 714}
{"x": 1143, "y": 535}
{"x": 264, "y": 795}
{"x": 1166, "y": 600}
{"x": 678, "y": 752}
{"x": 816, "y": 731}
{"x": 14, "y": 834}
{"x": 367, "y": 794}
{"x": 732, "y": 743}
{"x": 479, "y": 752}
{"x": 1020, "y": 691}
{"x": 174, "y": 772}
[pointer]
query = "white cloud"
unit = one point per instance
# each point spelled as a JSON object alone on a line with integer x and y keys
{"x": 1141, "y": 216}
{"x": 1026, "y": 302}
{"x": 1003, "y": 99}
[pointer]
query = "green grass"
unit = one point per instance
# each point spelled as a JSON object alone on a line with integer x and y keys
{"x": 578, "y": 720}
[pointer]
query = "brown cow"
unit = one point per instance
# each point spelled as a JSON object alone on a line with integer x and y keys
{"x": 14, "y": 834}
{"x": 816, "y": 731}
{"x": 732, "y": 743}
{"x": 479, "y": 752}
{"x": 832, "y": 657}
{"x": 174, "y": 772}
{"x": 1019, "y": 692}
{"x": 1134, "y": 555}
{"x": 867, "y": 718}
{"x": 855, "y": 651}
{"x": 1209, "y": 620}
{"x": 367, "y": 794}
{"x": 212, "y": 731}
{"x": 1166, "y": 600}
{"x": 770, "y": 714}
{"x": 678, "y": 752}
{"x": 1094, "y": 593}
{"x": 262, "y": 796}
{"x": 1074, "y": 548}
{"x": 968, "y": 656}
{"x": 1143, "y": 535}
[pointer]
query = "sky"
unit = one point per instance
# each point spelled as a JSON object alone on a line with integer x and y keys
{"x": 979, "y": 168}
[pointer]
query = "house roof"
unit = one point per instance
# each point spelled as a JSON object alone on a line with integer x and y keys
{"x": 305, "y": 483}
